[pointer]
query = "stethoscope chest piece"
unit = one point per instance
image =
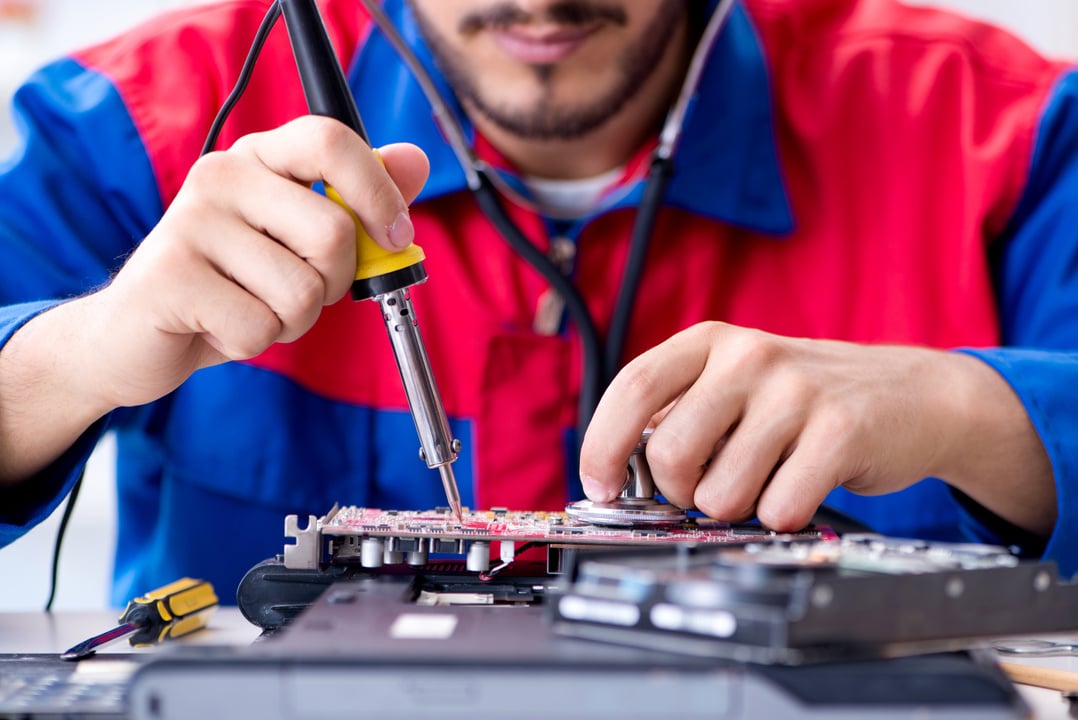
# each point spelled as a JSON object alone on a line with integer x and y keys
{"x": 636, "y": 505}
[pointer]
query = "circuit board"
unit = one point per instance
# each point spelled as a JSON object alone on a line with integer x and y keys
{"x": 542, "y": 527}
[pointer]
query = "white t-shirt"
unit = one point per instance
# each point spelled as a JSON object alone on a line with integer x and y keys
{"x": 571, "y": 198}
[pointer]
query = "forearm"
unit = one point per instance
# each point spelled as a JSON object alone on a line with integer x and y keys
{"x": 47, "y": 393}
{"x": 996, "y": 456}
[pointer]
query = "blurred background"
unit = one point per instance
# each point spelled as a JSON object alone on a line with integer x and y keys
{"x": 34, "y": 31}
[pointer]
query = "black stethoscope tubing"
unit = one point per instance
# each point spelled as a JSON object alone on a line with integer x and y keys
{"x": 599, "y": 364}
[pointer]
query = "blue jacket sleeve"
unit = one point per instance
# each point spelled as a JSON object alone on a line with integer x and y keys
{"x": 76, "y": 196}
{"x": 1037, "y": 280}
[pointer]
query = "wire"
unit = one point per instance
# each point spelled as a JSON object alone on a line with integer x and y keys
{"x": 246, "y": 71}
{"x": 488, "y": 575}
{"x": 71, "y": 498}
{"x": 591, "y": 346}
{"x": 643, "y": 229}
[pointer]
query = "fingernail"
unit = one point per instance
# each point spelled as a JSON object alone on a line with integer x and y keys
{"x": 595, "y": 490}
{"x": 401, "y": 233}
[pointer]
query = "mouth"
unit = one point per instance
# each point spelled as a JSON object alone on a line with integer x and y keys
{"x": 541, "y": 46}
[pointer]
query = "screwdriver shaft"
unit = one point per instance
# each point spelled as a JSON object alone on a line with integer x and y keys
{"x": 88, "y": 647}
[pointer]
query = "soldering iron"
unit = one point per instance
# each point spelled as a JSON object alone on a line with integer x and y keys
{"x": 381, "y": 275}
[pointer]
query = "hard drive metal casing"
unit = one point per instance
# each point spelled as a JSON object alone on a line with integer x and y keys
{"x": 864, "y": 596}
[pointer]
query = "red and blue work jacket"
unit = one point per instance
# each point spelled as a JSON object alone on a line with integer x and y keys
{"x": 851, "y": 169}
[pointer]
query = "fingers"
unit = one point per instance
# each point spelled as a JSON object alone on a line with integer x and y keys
{"x": 640, "y": 390}
{"x": 246, "y": 254}
{"x": 789, "y": 446}
{"x": 249, "y": 214}
{"x": 745, "y": 424}
{"x": 741, "y": 462}
{"x": 313, "y": 149}
{"x": 234, "y": 322}
{"x": 689, "y": 435}
{"x": 275, "y": 231}
{"x": 800, "y": 485}
{"x": 408, "y": 166}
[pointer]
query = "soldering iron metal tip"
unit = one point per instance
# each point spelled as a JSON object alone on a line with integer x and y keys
{"x": 449, "y": 483}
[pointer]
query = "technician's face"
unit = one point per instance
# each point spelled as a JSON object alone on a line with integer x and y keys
{"x": 548, "y": 69}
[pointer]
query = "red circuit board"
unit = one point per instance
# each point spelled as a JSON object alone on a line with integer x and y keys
{"x": 544, "y": 527}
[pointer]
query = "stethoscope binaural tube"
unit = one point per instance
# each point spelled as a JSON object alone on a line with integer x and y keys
{"x": 600, "y": 364}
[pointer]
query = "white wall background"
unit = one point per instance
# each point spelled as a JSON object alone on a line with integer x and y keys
{"x": 85, "y": 569}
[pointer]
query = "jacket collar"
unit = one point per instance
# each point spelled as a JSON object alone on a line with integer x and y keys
{"x": 726, "y": 167}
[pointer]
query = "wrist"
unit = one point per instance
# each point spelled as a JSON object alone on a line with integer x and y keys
{"x": 991, "y": 451}
{"x": 66, "y": 347}
{"x": 47, "y": 396}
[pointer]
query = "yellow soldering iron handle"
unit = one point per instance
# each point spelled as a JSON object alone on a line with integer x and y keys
{"x": 372, "y": 259}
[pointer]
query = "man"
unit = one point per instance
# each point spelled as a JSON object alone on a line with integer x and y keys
{"x": 852, "y": 170}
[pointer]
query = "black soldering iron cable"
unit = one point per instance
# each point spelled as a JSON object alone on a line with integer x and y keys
{"x": 58, "y": 545}
{"x": 268, "y": 21}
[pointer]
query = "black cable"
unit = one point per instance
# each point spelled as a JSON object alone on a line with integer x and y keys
{"x": 246, "y": 71}
{"x": 643, "y": 227}
{"x": 591, "y": 346}
{"x": 599, "y": 365}
{"x": 71, "y": 498}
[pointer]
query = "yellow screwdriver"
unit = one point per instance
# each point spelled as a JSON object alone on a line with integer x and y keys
{"x": 176, "y": 609}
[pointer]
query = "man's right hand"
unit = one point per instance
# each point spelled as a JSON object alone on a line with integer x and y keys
{"x": 244, "y": 257}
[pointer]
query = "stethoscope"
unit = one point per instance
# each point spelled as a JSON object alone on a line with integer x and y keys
{"x": 601, "y": 361}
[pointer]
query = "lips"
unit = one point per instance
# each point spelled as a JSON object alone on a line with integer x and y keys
{"x": 544, "y": 47}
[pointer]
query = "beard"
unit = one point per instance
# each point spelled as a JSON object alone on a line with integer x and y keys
{"x": 545, "y": 118}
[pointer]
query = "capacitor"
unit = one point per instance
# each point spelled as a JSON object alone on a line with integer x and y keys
{"x": 478, "y": 559}
{"x": 372, "y": 552}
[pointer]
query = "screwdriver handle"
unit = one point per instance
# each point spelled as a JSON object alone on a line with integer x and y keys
{"x": 171, "y": 611}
